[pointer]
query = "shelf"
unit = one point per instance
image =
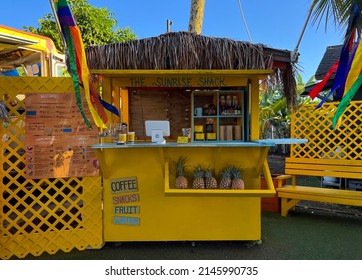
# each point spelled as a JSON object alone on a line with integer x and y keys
{"x": 279, "y": 141}
{"x": 268, "y": 192}
{"x": 219, "y": 100}
{"x": 205, "y": 117}
{"x": 230, "y": 116}
{"x": 219, "y": 116}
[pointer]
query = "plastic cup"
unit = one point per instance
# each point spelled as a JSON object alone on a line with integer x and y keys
{"x": 108, "y": 139}
{"x": 131, "y": 136}
{"x": 122, "y": 138}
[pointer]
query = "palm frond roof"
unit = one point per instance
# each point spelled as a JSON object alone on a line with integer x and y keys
{"x": 186, "y": 51}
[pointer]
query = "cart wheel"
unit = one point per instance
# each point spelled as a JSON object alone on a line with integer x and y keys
{"x": 116, "y": 244}
{"x": 250, "y": 244}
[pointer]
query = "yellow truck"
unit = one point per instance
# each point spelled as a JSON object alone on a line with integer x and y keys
{"x": 27, "y": 54}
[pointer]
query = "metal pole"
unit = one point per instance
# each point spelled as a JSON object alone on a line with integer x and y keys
{"x": 169, "y": 23}
{"x": 51, "y": 2}
{"x": 295, "y": 52}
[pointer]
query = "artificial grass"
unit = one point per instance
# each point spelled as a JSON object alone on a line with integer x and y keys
{"x": 306, "y": 234}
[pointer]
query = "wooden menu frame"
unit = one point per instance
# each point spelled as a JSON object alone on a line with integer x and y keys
{"x": 57, "y": 139}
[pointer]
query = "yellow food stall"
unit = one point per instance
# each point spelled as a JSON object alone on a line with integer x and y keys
{"x": 173, "y": 181}
{"x": 141, "y": 200}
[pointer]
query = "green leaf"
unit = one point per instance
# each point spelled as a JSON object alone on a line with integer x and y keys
{"x": 97, "y": 25}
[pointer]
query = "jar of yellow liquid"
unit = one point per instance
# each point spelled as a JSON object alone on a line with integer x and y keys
{"x": 122, "y": 138}
{"x": 131, "y": 136}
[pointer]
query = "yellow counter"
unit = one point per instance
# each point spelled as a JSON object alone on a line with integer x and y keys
{"x": 142, "y": 204}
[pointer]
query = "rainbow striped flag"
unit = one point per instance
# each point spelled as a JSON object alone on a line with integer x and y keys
{"x": 348, "y": 70}
{"x": 77, "y": 66}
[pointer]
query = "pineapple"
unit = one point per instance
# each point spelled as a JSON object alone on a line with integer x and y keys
{"x": 181, "y": 180}
{"x": 210, "y": 181}
{"x": 198, "y": 182}
{"x": 236, "y": 183}
{"x": 225, "y": 182}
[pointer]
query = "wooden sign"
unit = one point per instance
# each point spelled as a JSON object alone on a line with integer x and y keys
{"x": 123, "y": 220}
{"x": 120, "y": 210}
{"x": 125, "y": 198}
{"x": 57, "y": 140}
{"x": 121, "y": 185}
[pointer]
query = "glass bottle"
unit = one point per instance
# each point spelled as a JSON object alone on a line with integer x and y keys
{"x": 236, "y": 107}
{"x": 222, "y": 104}
{"x": 228, "y": 104}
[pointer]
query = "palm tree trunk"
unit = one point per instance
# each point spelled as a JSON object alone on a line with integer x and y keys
{"x": 196, "y": 16}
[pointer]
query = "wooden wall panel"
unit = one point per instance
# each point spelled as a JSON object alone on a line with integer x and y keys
{"x": 171, "y": 105}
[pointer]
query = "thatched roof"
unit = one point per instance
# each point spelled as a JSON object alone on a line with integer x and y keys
{"x": 185, "y": 50}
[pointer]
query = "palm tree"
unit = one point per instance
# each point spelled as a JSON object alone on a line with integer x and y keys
{"x": 340, "y": 11}
{"x": 274, "y": 108}
{"x": 196, "y": 16}
{"x": 347, "y": 14}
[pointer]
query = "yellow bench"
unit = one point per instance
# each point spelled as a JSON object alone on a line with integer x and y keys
{"x": 291, "y": 194}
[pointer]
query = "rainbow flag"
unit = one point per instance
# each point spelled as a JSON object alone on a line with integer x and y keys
{"x": 77, "y": 66}
{"x": 348, "y": 69}
{"x": 352, "y": 83}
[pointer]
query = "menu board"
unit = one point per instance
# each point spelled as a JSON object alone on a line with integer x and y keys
{"x": 57, "y": 139}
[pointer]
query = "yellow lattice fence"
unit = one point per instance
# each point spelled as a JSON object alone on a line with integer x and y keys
{"x": 324, "y": 141}
{"x": 48, "y": 214}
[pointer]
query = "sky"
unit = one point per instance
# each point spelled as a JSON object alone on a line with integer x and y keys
{"x": 277, "y": 24}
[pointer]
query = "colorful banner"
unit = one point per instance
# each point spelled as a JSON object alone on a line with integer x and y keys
{"x": 78, "y": 67}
